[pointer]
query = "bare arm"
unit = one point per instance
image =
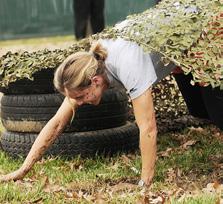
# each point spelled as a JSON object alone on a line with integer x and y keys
{"x": 145, "y": 118}
{"x": 45, "y": 138}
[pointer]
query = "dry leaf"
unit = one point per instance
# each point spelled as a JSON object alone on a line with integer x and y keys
{"x": 165, "y": 153}
{"x": 89, "y": 198}
{"x": 45, "y": 181}
{"x": 125, "y": 159}
{"x": 151, "y": 198}
{"x": 143, "y": 200}
{"x": 219, "y": 136}
{"x": 50, "y": 188}
{"x": 216, "y": 185}
{"x": 100, "y": 198}
{"x": 115, "y": 166}
{"x": 53, "y": 189}
{"x": 27, "y": 183}
{"x": 78, "y": 165}
{"x": 188, "y": 144}
{"x": 74, "y": 195}
{"x": 197, "y": 129}
{"x": 213, "y": 188}
{"x": 158, "y": 200}
{"x": 71, "y": 194}
{"x": 123, "y": 187}
{"x": 171, "y": 175}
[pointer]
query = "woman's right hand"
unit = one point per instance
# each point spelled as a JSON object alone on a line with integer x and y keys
{"x": 45, "y": 138}
{"x": 13, "y": 176}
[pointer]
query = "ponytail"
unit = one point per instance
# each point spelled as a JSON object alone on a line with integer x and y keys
{"x": 77, "y": 70}
{"x": 98, "y": 51}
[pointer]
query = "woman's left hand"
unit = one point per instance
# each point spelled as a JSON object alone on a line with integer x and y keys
{"x": 147, "y": 177}
{"x": 145, "y": 118}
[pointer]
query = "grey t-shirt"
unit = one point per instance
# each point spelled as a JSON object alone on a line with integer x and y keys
{"x": 128, "y": 65}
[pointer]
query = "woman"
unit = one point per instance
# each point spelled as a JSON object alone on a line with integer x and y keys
{"x": 84, "y": 76}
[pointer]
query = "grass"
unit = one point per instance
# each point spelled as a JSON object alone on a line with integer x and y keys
{"x": 181, "y": 174}
{"x": 36, "y": 41}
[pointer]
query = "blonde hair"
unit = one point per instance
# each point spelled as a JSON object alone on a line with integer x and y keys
{"x": 77, "y": 69}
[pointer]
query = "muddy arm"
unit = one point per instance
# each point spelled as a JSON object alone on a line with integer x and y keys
{"x": 45, "y": 138}
{"x": 145, "y": 118}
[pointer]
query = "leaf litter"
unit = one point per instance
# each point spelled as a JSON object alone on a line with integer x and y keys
{"x": 177, "y": 184}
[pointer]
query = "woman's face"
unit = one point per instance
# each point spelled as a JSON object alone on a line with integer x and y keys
{"x": 90, "y": 95}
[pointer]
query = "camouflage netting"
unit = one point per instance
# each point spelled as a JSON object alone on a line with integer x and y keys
{"x": 187, "y": 32}
{"x": 16, "y": 66}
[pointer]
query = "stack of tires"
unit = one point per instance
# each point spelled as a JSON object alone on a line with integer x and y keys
{"x": 26, "y": 107}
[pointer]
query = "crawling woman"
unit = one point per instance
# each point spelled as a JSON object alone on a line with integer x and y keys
{"x": 84, "y": 76}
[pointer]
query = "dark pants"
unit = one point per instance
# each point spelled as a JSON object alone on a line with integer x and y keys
{"x": 157, "y": 1}
{"x": 192, "y": 96}
{"x": 85, "y": 9}
{"x": 213, "y": 99}
{"x": 202, "y": 102}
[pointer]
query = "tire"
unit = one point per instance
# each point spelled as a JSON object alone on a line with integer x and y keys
{"x": 42, "y": 84}
{"x": 30, "y": 113}
{"x": 87, "y": 144}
